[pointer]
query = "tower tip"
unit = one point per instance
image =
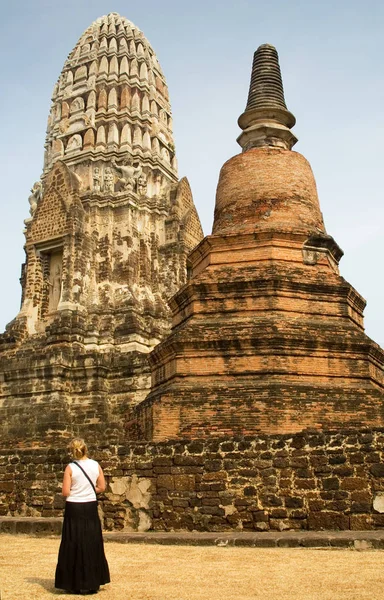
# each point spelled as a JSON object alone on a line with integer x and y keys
{"x": 266, "y": 120}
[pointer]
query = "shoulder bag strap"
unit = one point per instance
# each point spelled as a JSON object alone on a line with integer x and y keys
{"x": 90, "y": 481}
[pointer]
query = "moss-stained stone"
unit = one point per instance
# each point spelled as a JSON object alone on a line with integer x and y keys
{"x": 106, "y": 244}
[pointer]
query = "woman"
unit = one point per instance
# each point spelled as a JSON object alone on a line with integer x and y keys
{"x": 82, "y": 566}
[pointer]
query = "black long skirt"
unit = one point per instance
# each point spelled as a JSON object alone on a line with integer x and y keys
{"x": 81, "y": 564}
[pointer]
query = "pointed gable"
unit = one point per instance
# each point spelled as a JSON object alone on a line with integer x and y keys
{"x": 61, "y": 191}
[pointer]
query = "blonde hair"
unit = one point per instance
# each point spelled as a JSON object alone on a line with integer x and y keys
{"x": 77, "y": 448}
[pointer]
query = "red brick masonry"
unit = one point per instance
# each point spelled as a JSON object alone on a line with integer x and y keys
{"x": 267, "y": 336}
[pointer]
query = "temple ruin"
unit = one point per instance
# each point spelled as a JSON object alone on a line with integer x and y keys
{"x": 267, "y": 336}
{"x": 223, "y": 383}
{"x": 106, "y": 243}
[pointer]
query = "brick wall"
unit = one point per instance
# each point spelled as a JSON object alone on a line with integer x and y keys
{"x": 332, "y": 480}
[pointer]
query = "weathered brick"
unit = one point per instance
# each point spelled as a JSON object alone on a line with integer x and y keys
{"x": 360, "y": 507}
{"x": 165, "y": 481}
{"x": 354, "y": 483}
{"x": 270, "y": 500}
{"x": 184, "y": 483}
{"x": 293, "y": 502}
{"x": 305, "y": 484}
{"x": 250, "y": 491}
{"x": 327, "y": 520}
{"x": 377, "y": 470}
{"x": 331, "y": 483}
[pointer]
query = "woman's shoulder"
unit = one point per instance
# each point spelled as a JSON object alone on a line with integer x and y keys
{"x": 84, "y": 461}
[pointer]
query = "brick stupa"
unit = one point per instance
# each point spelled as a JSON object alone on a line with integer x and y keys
{"x": 267, "y": 336}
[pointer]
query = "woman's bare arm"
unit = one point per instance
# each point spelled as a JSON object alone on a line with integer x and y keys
{"x": 67, "y": 481}
{"x": 100, "y": 483}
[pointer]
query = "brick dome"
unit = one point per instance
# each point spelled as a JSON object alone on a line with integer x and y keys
{"x": 267, "y": 188}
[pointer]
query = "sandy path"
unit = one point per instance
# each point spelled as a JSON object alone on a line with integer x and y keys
{"x": 149, "y": 572}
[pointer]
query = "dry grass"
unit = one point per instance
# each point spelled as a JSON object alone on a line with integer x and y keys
{"x": 148, "y": 572}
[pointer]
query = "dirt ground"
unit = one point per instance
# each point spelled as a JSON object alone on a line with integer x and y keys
{"x": 149, "y": 572}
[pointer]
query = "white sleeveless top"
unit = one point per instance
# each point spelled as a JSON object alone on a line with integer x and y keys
{"x": 81, "y": 489}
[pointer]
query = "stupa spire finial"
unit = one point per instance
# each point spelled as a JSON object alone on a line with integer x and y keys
{"x": 266, "y": 120}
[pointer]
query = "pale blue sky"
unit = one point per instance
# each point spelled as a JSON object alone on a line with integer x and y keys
{"x": 331, "y": 56}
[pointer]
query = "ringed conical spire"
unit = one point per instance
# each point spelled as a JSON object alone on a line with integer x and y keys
{"x": 266, "y": 87}
{"x": 266, "y": 120}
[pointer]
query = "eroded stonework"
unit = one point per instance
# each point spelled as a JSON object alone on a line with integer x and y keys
{"x": 267, "y": 336}
{"x": 267, "y": 362}
{"x": 109, "y": 230}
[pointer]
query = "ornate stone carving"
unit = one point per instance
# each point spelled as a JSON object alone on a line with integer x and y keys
{"x": 77, "y": 105}
{"x": 142, "y": 184}
{"x": 310, "y": 256}
{"x": 35, "y": 197}
{"x": 130, "y": 174}
{"x": 74, "y": 143}
{"x": 55, "y": 282}
{"x": 64, "y": 125}
{"x": 85, "y": 49}
{"x": 111, "y": 82}
{"x": 107, "y": 293}
{"x": 109, "y": 180}
{"x": 96, "y": 179}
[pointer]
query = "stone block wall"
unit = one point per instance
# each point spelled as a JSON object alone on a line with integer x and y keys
{"x": 311, "y": 480}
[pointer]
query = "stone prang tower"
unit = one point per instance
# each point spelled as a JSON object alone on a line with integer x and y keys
{"x": 109, "y": 231}
{"x": 267, "y": 336}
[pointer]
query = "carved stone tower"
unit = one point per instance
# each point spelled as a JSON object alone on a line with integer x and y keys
{"x": 267, "y": 336}
{"x": 106, "y": 244}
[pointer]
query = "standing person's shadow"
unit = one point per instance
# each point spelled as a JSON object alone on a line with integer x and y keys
{"x": 47, "y": 584}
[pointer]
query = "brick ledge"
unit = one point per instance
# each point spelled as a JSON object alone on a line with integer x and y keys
{"x": 359, "y": 540}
